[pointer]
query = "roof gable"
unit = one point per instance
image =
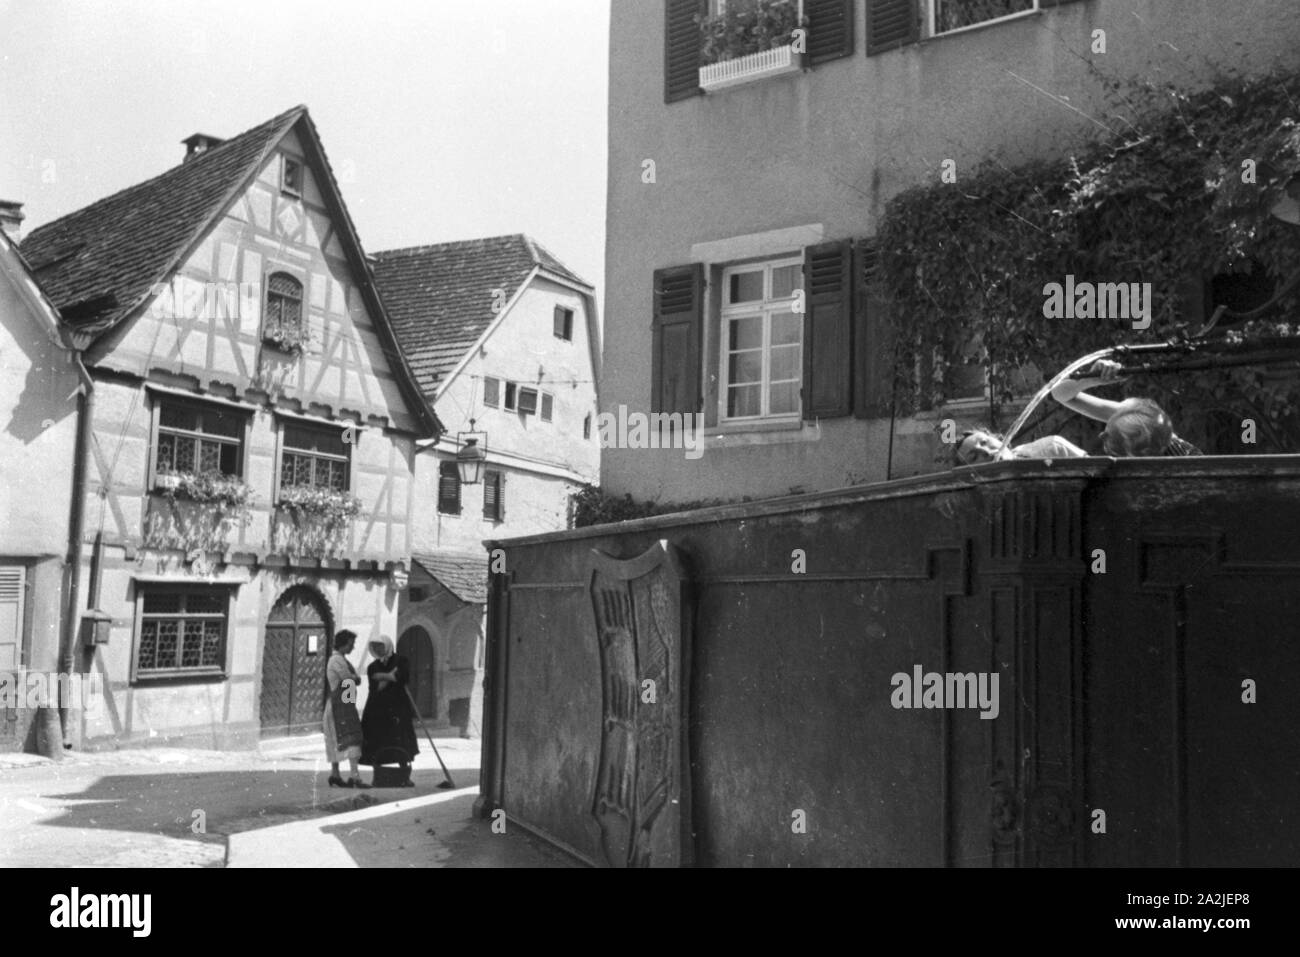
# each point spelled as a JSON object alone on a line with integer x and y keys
{"x": 443, "y": 297}
{"x": 100, "y": 263}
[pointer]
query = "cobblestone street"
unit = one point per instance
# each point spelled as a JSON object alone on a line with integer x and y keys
{"x": 181, "y": 808}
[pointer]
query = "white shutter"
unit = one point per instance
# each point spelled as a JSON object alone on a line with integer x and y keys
{"x": 13, "y": 579}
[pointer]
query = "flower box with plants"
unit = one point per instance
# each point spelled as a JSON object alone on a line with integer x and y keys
{"x": 288, "y": 337}
{"x": 748, "y": 40}
{"x": 313, "y": 520}
{"x": 201, "y": 510}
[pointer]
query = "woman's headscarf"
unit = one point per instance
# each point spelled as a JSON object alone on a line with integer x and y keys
{"x": 388, "y": 646}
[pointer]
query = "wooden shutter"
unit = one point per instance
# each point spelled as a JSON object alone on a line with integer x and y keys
{"x": 528, "y": 401}
{"x": 681, "y": 49}
{"x": 13, "y": 581}
{"x": 891, "y": 24}
{"x": 491, "y": 391}
{"x": 678, "y": 323}
{"x": 448, "y": 489}
{"x": 548, "y": 406}
{"x": 493, "y": 504}
{"x": 873, "y": 339}
{"x": 563, "y": 323}
{"x": 830, "y": 29}
{"x": 828, "y": 330}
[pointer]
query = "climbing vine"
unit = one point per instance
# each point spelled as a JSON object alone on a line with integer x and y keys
{"x": 1180, "y": 192}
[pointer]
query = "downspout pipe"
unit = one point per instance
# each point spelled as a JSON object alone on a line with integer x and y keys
{"x": 76, "y": 530}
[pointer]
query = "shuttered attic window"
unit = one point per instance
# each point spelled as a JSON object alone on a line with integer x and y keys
{"x": 291, "y": 177}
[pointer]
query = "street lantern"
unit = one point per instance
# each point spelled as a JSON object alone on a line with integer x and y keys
{"x": 471, "y": 456}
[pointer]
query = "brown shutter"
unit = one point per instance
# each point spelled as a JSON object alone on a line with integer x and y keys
{"x": 830, "y": 29}
{"x": 891, "y": 24}
{"x": 678, "y": 322}
{"x": 828, "y": 330}
{"x": 873, "y": 339}
{"x": 681, "y": 49}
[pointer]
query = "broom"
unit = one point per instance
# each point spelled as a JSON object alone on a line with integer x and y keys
{"x": 449, "y": 783}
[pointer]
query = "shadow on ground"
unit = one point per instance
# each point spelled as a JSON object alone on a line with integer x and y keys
{"x": 225, "y": 802}
{"x": 442, "y": 835}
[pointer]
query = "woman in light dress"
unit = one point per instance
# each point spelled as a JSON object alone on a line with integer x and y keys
{"x": 342, "y": 723}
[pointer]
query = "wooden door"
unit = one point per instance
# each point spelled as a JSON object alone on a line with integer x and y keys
{"x": 293, "y": 664}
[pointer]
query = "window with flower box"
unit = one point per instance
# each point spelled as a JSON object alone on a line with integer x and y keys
{"x": 195, "y": 438}
{"x": 182, "y": 631}
{"x": 314, "y": 457}
{"x": 283, "y": 325}
{"x": 713, "y": 44}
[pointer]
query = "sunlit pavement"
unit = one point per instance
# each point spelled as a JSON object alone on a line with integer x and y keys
{"x": 171, "y": 807}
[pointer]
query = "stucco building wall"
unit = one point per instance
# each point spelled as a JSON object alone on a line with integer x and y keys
{"x": 819, "y": 153}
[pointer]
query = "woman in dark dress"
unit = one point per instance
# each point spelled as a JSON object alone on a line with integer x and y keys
{"x": 387, "y": 725}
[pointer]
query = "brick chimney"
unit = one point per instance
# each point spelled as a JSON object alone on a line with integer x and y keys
{"x": 11, "y": 219}
{"x": 200, "y": 143}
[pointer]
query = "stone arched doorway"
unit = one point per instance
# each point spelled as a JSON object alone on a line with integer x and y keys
{"x": 298, "y": 636}
{"x": 416, "y": 646}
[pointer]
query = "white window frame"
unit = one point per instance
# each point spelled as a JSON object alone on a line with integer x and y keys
{"x": 765, "y": 308}
{"x": 932, "y": 16}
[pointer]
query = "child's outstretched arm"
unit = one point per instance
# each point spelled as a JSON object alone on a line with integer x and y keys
{"x": 1071, "y": 395}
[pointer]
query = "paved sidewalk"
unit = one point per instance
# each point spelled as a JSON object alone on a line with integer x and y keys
{"x": 141, "y": 808}
{"x": 436, "y": 830}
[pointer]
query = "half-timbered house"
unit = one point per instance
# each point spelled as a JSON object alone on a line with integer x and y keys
{"x": 249, "y": 478}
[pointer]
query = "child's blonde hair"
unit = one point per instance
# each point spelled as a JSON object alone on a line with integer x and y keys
{"x": 1140, "y": 428}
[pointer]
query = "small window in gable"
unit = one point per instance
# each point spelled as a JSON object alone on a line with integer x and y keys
{"x": 548, "y": 406}
{"x": 511, "y": 390}
{"x": 291, "y": 177}
{"x": 491, "y": 392}
{"x": 564, "y": 323}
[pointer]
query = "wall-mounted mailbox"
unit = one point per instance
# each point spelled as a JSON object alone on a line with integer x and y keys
{"x": 96, "y": 627}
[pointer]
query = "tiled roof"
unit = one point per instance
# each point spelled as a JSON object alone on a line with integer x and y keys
{"x": 441, "y": 297}
{"x": 464, "y": 574}
{"x": 98, "y": 263}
